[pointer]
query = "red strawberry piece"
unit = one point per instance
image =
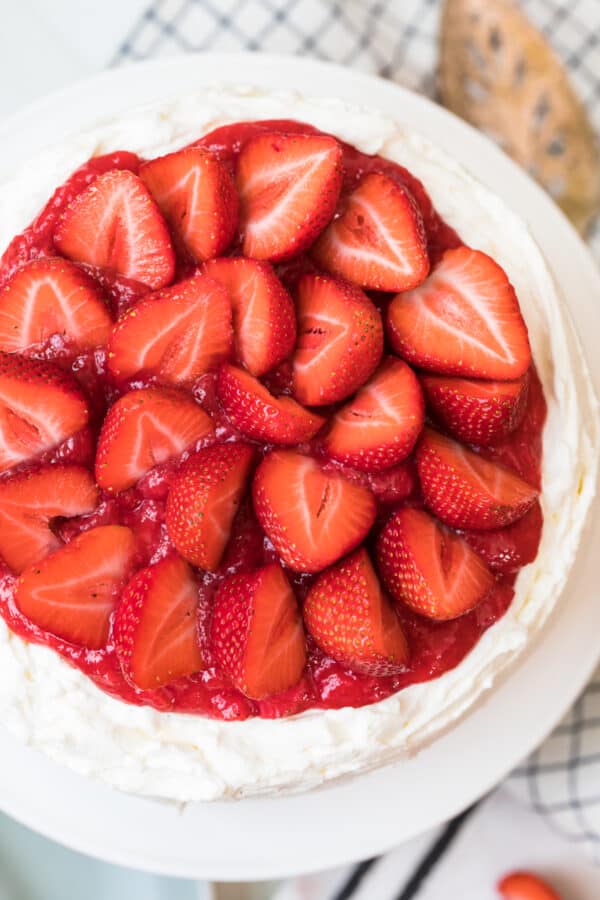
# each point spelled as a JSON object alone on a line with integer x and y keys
{"x": 31, "y": 501}
{"x": 378, "y": 240}
{"x": 395, "y": 484}
{"x": 259, "y": 415}
{"x": 49, "y": 298}
{"x": 475, "y": 411}
{"x": 429, "y": 568}
{"x": 312, "y": 516}
{"x": 340, "y": 340}
{"x": 351, "y": 619}
{"x": 156, "y": 624}
{"x": 115, "y": 223}
{"x": 203, "y": 500}
{"x": 379, "y": 427}
{"x": 143, "y": 429}
{"x": 525, "y": 886}
{"x": 178, "y": 333}
{"x": 40, "y": 406}
{"x": 508, "y": 549}
{"x": 465, "y": 490}
{"x": 463, "y": 320}
{"x": 289, "y": 186}
{"x": 256, "y": 632}
{"x": 264, "y": 318}
{"x": 197, "y": 197}
{"x": 72, "y": 592}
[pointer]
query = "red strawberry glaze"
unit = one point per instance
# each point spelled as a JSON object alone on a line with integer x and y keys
{"x": 435, "y": 647}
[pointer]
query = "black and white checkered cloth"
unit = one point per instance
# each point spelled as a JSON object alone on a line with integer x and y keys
{"x": 397, "y": 39}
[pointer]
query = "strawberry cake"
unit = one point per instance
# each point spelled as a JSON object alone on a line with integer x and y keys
{"x": 296, "y": 445}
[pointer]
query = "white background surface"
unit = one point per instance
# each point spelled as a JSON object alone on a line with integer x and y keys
{"x": 44, "y": 46}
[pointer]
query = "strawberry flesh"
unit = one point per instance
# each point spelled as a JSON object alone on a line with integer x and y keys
{"x": 525, "y": 886}
{"x": 289, "y": 186}
{"x": 177, "y": 333}
{"x": 196, "y": 194}
{"x": 115, "y": 223}
{"x": 256, "y": 632}
{"x": 312, "y": 516}
{"x": 72, "y": 593}
{"x": 264, "y": 318}
{"x": 156, "y": 624}
{"x": 203, "y": 500}
{"x": 340, "y": 340}
{"x": 379, "y": 427}
{"x": 475, "y": 411}
{"x": 259, "y": 415}
{"x": 378, "y": 240}
{"x": 463, "y": 320}
{"x": 143, "y": 429}
{"x": 465, "y": 490}
{"x": 429, "y": 568}
{"x": 352, "y": 621}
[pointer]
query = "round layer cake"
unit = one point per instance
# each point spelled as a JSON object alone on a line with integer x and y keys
{"x": 328, "y": 705}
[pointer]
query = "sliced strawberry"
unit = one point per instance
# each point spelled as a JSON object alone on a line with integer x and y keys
{"x": 340, "y": 340}
{"x": 156, "y": 624}
{"x": 428, "y": 567}
{"x": 289, "y": 186}
{"x": 352, "y": 621}
{"x": 395, "y": 484}
{"x": 525, "y": 886}
{"x": 312, "y": 516}
{"x": 259, "y": 415}
{"x": 378, "y": 240}
{"x": 73, "y": 592}
{"x": 143, "y": 429}
{"x": 466, "y": 491}
{"x": 197, "y": 197}
{"x": 29, "y": 504}
{"x": 477, "y": 412}
{"x": 178, "y": 333}
{"x": 203, "y": 499}
{"x": 380, "y": 425}
{"x": 115, "y": 223}
{"x": 464, "y": 320}
{"x": 40, "y": 407}
{"x": 264, "y": 318}
{"x": 49, "y": 298}
{"x": 256, "y": 632}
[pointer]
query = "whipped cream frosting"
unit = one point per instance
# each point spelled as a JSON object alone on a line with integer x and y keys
{"x": 58, "y": 710}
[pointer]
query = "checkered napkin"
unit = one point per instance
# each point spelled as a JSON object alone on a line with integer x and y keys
{"x": 397, "y": 39}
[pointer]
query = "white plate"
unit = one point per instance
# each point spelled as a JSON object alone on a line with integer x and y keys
{"x": 367, "y": 815}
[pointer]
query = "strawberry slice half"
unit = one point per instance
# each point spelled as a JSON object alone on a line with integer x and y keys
{"x": 49, "y": 298}
{"x": 464, "y": 319}
{"x": 203, "y": 500}
{"x": 40, "y": 407}
{"x": 115, "y": 223}
{"x": 312, "y": 516}
{"x": 525, "y": 886}
{"x": 289, "y": 186}
{"x": 143, "y": 429}
{"x": 379, "y": 427}
{"x": 196, "y": 194}
{"x": 474, "y": 411}
{"x": 378, "y": 240}
{"x": 72, "y": 593}
{"x": 156, "y": 624}
{"x": 178, "y": 333}
{"x": 340, "y": 340}
{"x": 352, "y": 621}
{"x": 259, "y": 415}
{"x": 466, "y": 491}
{"x": 429, "y": 568}
{"x": 29, "y": 504}
{"x": 256, "y": 632}
{"x": 264, "y": 318}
